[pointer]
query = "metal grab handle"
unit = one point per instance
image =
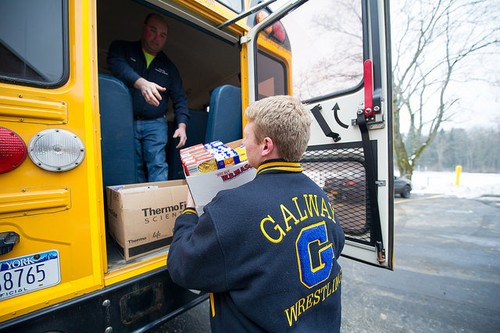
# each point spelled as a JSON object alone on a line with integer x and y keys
{"x": 7, "y": 241}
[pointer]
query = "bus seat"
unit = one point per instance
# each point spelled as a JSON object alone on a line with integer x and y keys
{"x": 224, "y": 116}
{"x": 117, "y": 132}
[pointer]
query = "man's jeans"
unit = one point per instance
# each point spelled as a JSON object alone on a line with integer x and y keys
{"x": 150, "y": 143}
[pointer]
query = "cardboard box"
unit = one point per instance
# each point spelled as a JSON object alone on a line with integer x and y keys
{"x": 205, "y": 186}
{"x": 141, "y": 217}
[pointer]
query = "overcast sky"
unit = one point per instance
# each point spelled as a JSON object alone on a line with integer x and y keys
{"x": 479, "y": 104}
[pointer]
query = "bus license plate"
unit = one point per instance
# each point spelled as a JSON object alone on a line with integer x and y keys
{"x": 25, "y": 274}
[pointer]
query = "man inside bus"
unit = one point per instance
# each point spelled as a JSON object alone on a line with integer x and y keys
{"x": 152, "y": 79}
{"x": 266, "y": 251}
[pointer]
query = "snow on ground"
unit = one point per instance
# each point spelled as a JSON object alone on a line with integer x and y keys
{"x": 470, "y": 185}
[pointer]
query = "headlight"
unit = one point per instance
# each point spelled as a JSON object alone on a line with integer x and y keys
{"x": 56, "y": 150}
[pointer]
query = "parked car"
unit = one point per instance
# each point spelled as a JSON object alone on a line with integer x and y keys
{"x": 402, "y": 186}
{"x": 346, "y": 188}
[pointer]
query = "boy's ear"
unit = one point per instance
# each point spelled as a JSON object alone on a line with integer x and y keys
{"x": 267, "y": 146}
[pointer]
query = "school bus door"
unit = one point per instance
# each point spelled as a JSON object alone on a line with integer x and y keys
{"x": 350, "y": 149}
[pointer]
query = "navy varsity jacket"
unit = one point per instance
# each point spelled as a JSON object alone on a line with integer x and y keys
{"x": 267, "y": 252}
{"x": 127, "y": 62}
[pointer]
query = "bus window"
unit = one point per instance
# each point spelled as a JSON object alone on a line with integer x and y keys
{"x": 236, "y": 5}
{"x": 35, "y": 53}
{"x": 327, "y": 44}
{"x": 271, "y": 76}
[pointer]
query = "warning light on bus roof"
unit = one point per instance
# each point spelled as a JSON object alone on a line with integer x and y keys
{"x": 13, "y": 150}
{"x": 275, "y": 30}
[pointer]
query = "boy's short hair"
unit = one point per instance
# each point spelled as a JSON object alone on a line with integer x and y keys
{"x": 285, "y": 120}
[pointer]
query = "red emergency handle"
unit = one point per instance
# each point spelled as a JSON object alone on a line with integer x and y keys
{"x": 368, "y": 84}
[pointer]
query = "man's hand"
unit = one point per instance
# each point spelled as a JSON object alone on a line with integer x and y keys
{"x": 180, "y": 133}
{"x": 150, "y": 91}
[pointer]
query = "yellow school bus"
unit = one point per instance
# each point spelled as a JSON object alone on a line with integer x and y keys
{"x": 65, "y": 135}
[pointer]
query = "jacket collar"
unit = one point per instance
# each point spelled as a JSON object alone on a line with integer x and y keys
{"x": 278, "y": 165}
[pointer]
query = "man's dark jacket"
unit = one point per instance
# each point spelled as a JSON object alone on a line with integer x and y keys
{"x": 127, "y": 62}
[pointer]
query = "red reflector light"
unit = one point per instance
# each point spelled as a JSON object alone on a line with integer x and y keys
{"x": 13, "y": 150}
{"x": 350, "y": 183}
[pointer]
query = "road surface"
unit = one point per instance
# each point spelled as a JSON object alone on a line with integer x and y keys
{"x": 446, "y": 277}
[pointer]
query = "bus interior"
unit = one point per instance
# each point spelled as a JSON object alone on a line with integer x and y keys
{"x": 209, "y": 64}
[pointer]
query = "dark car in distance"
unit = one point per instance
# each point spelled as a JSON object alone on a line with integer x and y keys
{"x": 353, "y": 189}
{"x": 402, "y": 186}
{"x": 346, "y": 188}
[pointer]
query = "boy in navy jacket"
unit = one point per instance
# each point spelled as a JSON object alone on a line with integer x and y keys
{"x": 266, "y": 251}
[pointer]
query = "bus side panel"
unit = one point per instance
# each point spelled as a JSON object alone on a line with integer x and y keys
{"x": 139, "y": 304}
{"x": 57, "y": 211}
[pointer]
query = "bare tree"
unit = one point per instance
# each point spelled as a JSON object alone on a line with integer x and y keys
{"x": 432, "y": 45}
{"x": 436, "y": 44}
{"x": 335, "y": 46}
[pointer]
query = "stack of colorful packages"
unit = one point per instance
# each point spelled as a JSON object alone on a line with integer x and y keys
{"x": 202, "y": 158}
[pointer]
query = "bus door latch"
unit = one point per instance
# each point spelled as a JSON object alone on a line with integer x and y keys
{"x": 371, "y": 110}
{"x": 7, "y": 241}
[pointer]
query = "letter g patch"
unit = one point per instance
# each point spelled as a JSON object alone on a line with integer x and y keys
{"x": 314, "y": 254}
